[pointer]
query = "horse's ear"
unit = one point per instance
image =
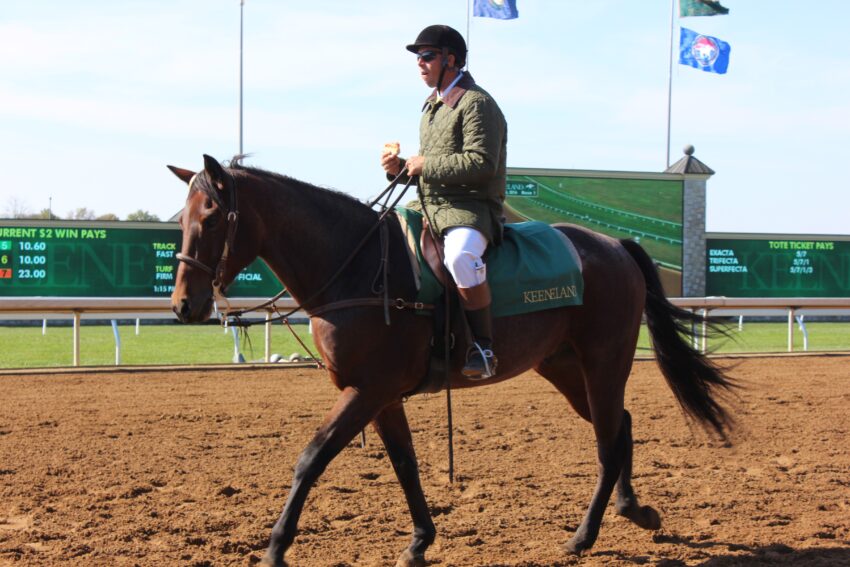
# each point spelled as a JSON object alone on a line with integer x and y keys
{"x": 183, "y": 174}
{"x": 215, "y": 172}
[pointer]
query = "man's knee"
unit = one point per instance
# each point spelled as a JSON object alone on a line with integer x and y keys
{"x": 464, "y": 247}
{"x": 467, "y": 269}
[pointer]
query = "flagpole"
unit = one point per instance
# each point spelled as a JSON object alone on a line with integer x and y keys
{"x": 670, "y": 80}
{"x": 241, "y": 28}
{"x": 468, "y": 12}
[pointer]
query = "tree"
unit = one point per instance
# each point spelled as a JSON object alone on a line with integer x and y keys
{"x": 143, "y": 216}
{"x": 82, "y": 213}
{"x": 16, "y": 209}
{"x": 46, "y": 214}
{"x": 108, "y": 216}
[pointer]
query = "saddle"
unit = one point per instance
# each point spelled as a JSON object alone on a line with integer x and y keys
{"x": 536, "y": 267}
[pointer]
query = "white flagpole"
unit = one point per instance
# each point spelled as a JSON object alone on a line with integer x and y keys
{"x": 468, "y": 12}
{"x": 670, "y": 79}
{"x": 241, "y": 29}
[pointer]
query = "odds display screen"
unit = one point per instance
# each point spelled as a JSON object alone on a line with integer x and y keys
{"x": 107, "y": 259}
{"x": 777, "y": 267}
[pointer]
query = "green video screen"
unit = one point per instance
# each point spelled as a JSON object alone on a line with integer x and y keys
{"x": 108, "y": 259}
{"x": 772, "y": 267}
{"x": 647, "y": 210}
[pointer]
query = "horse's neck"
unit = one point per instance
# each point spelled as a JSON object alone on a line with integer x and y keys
{"x": 309, "y": 234}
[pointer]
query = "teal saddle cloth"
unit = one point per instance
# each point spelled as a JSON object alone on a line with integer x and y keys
{"x": 534, "y": 268}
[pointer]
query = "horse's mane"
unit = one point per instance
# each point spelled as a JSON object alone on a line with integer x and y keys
{"x": 238, "y": 168}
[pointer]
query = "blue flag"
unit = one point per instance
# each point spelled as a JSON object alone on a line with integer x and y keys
{"x": 501, "y": 9}
{"x": 703, "y": 52}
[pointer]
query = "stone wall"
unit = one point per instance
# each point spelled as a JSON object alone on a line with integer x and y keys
{"x": 693, "y": 231}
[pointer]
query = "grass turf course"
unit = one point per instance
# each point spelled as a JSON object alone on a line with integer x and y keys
{"x": 772, "y": 337}
{"x": 650, "y": 211}
{"x": 25, "y": 347}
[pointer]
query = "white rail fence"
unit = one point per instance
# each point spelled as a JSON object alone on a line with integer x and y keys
{"x": 126, "y": 308}
{"x": 795, "y": 307}
{"x": 135, "y": 308}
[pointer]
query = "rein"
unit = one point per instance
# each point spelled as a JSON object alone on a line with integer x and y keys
{"x": 233, "y": 317}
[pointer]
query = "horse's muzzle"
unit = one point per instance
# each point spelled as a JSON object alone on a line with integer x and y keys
{"x": 188, "y": 311}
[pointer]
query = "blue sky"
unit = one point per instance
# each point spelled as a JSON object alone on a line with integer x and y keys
{"x": 96, "y": 97}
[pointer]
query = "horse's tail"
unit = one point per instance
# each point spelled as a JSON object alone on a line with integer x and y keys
{"x": 694, "y": 379}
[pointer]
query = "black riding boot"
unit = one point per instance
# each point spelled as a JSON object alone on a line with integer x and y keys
{"x": 480, "y": 360}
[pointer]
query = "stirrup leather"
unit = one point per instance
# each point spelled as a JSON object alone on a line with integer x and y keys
{"x": 480, "y": 363}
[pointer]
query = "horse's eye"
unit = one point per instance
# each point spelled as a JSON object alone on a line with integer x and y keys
{"x": 211, "y": 221}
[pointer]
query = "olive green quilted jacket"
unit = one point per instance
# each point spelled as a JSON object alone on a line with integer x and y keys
{"x": 464, "y": 139}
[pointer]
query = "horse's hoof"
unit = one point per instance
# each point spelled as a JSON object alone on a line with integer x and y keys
{"x": 410, "y": 559}
{"x": 643, "y": 516}
{"x": 649, "y": 518}
{"x": 269, "y": 561}
{"x": 576, "y": 545}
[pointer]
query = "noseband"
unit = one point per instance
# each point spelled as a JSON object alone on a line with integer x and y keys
{"x": 217, "y": 273}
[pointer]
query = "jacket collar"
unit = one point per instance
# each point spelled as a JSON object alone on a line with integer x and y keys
{"x": 465, "y": 83}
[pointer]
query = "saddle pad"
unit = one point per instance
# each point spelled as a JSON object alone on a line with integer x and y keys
{"x": 534, "y": 268}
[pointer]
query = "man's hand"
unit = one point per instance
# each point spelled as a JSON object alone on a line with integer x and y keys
{"x": 415, "y": 165}
{"x": 389, "y": 158}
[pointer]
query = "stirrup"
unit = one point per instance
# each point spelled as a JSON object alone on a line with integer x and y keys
{"x": 480, "y": 363}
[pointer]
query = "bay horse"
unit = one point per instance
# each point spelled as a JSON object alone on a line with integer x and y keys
{"x": 306, "y": 233}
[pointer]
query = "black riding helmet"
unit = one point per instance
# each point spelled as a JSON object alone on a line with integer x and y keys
{"x": 443, "y": 37}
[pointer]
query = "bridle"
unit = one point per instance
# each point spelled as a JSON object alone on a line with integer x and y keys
{"x": 233, "y": 316}
{"x": 232, "y": 219}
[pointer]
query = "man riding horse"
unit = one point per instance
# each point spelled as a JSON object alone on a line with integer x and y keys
{"x": 461, "y": 169}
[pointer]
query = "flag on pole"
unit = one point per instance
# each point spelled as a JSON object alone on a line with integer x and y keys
{"x": 500, "y": 9}
{"x": 701, "y": 8}
{"x": 703, "y": 52}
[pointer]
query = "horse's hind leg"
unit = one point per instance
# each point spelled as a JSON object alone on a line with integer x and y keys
{"x": 610, "y": 451}
{"x": 596, "y": 393}
{"x": 627, "y": 503}
{"x": 391, "y": 424}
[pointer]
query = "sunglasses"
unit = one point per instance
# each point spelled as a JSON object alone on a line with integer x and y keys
{"x": 427, "y": 56}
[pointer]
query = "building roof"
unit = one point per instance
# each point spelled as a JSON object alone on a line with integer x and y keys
{"x": 689, "y": 164}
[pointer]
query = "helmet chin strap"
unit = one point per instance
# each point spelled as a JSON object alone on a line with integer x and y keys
{"x": 443, "y": 67}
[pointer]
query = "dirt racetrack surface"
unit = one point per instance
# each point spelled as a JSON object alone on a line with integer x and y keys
{"x": 193, "y": 467}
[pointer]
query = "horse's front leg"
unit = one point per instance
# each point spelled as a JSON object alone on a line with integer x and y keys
{"x": 351, "y": 413}
{"x": 391, "y": 424}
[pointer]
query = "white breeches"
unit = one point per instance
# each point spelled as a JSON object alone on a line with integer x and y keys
{"x": 463, "y": 248}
